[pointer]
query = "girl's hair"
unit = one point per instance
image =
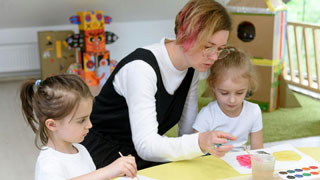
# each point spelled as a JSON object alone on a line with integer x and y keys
{"x": 235, "y": 60}
{"x": 54, "y": 98}
{"x": 197, "y": 21}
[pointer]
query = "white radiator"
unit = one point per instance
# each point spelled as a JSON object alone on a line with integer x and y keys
{"x": 19, "y": 58}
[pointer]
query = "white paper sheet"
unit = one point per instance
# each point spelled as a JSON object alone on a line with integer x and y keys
{"x": 231, "y": 159}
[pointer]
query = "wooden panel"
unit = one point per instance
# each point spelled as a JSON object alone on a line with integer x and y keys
{"x": 299, "y": 55}
{"x": 308, "y": 57}
{"x": 316, "y": 55}
{"x": 289, "y": 42}
{"x": 310, "y": 84}
{"x": 304, "y": 86}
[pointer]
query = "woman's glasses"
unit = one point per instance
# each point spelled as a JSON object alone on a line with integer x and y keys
{"x": 221, "y": 52}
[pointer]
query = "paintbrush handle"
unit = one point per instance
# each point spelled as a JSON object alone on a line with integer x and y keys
{"x": 245, "y": 148}
{"x": 122, "y": 156}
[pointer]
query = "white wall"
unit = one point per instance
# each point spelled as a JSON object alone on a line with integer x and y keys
{"x": 131, "y": 36}
{"x": 137, "y": 34}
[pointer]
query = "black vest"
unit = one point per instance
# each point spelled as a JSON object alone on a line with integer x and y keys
{"x": 110, "y": 118}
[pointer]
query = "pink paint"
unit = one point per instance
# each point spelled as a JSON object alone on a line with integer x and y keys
{"x": 244, "y": 161}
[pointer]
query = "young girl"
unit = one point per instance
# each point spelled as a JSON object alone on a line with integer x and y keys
{"x": 58, "y": 111}
{"x": 232, "y": 79}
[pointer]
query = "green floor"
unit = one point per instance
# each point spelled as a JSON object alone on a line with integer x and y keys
{"x": 291, "y": 123}
{"x": 285, "y": 123}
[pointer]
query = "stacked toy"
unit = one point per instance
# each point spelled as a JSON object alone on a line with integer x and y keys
{"x": 94, "y": 64}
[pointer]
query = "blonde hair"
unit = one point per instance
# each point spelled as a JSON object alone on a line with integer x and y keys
{"x": 54, "y": 98}
{"x": 235, "y": 59}
{"x": 197, "y": 21}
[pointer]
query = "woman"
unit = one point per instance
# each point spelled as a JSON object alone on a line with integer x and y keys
{"x": 156, "y": 87}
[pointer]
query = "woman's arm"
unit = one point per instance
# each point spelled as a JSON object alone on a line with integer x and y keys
{"x": 137, "y": 82}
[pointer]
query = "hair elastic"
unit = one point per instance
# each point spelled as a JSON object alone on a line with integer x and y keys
{"x": 37, "y": 83}
{"x": 249, "y": 93}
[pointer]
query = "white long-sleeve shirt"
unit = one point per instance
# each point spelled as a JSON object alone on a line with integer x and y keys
{"x": 137, "y": 82}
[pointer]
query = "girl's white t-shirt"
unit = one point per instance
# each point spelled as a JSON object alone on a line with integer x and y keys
{"x": 212, "y": 118}
{"x": 55, "y": 165}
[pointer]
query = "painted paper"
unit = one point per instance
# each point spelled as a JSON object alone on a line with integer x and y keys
{"x": 287, "y": 157}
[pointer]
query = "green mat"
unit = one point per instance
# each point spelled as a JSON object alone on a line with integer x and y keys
{"x": 284, "y": 123}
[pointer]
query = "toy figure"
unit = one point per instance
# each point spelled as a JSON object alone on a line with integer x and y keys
{"x": 92, "y": 40}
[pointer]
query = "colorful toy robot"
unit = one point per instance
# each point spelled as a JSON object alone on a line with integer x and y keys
{"x": 92, "y": 40}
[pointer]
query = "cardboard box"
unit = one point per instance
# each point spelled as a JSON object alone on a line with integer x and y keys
{"x": 55, "y": 56}
{"x": 267, "y": 94}
{"x": 258, "y": 28}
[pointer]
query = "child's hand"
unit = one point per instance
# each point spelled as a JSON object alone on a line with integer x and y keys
{"x": 208, "y": 141}
{"x": 123, "y": 166}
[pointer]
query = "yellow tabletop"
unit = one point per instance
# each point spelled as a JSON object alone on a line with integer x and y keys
{"x": 202, "y": 168}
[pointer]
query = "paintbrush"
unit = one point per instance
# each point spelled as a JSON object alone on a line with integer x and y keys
{"x": 122, "y": 156}
{"x": 245, "y": 148}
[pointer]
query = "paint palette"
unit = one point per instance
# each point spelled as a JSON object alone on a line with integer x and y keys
{"x": 308, "y": 172}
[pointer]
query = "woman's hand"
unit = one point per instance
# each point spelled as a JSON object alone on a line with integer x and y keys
{"x": 123, "y": 166}
{"x": 208, "y": 142}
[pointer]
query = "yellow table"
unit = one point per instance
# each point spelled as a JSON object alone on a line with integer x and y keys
{"x": 206, "y": 167}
